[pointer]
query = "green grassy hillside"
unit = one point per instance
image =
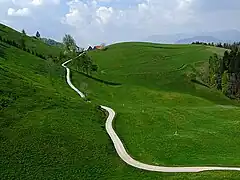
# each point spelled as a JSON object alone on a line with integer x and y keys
{"x": 157, "y": 98}
{"x": 48, "y": 132}
{"x": 42, "y": 122}
{"x": 32, "y": 43}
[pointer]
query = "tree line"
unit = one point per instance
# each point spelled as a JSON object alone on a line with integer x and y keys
{"x": 224, "y": 73}
{"x": 230, "y": 46}
{"x": 21, "y": 44}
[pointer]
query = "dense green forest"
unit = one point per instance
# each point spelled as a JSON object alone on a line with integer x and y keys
{"x": 224, "y": 73}
{"x": 230, "y": 46}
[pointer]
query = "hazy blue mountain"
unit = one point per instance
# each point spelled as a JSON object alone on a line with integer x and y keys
{"x": 51, "y": 42}
{"x": 226, "y": 35}
{"x": 166, "y": 38}
{"x": 214, "y": 36}
{"x": 206, "y": 39}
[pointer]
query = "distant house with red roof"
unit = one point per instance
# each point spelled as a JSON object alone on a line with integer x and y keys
{"x": 98, "y": 47}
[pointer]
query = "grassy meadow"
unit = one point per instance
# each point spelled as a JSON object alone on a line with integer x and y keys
{"x": 48, "y": 132}
{"x": 162, "y": 117}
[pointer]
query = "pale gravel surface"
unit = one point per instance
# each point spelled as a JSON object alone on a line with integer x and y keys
{"x": 121, "y": 151}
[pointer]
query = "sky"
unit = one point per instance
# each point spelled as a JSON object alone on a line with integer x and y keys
{"x": 93, "y": 22}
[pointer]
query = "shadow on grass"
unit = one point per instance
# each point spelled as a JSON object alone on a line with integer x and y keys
{"x": 99, "y": 80}
{"x": 214, "y": 95}
{"x": 199, "y": 83}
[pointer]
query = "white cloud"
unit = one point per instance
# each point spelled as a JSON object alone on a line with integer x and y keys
{"x": 106, "y": 1}
{"x": 29, "y": 3}
{"x": 37, "y": 2}
{"x": 18, "y": 12}
{"x": 104, "y": 14}
{"x": 96, "y": 21}
{"x": 79, "y": 14}
{"x": 143, "y": 7}
{"x": 44, "y": 17}
{"x": 185, "y": 4}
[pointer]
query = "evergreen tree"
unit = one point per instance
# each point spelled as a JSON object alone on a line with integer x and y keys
{"x": 226, "y": 60}
{"x": 214, "y": 71}
{"x": 224, "y": 73}
{"x": 22, "y": 43}
{"x": 23, "y": 32}
{"x": 225, "y": 82}
{"x": 38, "y": 35}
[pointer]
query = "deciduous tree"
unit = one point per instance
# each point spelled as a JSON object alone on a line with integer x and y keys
{"x": 69, "y": 44}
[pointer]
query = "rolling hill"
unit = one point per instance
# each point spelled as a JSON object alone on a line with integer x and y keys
{"x": 162, "y": 117}
{"x": 32, "y": 43}
{"x": 48, "y": 132}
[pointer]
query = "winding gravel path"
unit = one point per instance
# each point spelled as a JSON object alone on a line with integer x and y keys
{"x": 122, "y": 151}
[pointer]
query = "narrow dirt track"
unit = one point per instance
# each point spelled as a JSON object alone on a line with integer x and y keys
{"x": 121, "y": 151}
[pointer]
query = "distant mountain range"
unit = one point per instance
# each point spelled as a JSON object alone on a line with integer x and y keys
{"x": 228, "y": 36}
{"x": 51, "y": 42}
{"x": 206, "y": 39}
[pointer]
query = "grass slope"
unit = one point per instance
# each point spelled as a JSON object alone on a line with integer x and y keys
{"x": 32, "y": 44}
{"x": 48, "y": 132}
{"x": 157, "y": 98}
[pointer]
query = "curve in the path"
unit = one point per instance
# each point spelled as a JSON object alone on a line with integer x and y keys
{"x": 122, "y": 151}
{"x": 69, "y": 79}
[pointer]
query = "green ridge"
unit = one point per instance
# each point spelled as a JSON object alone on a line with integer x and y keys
{"x": 32, "y": 43}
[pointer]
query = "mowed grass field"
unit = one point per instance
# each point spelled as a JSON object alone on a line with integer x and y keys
{"x": 157, "y": 98}
{"x": 48, "y": 132}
